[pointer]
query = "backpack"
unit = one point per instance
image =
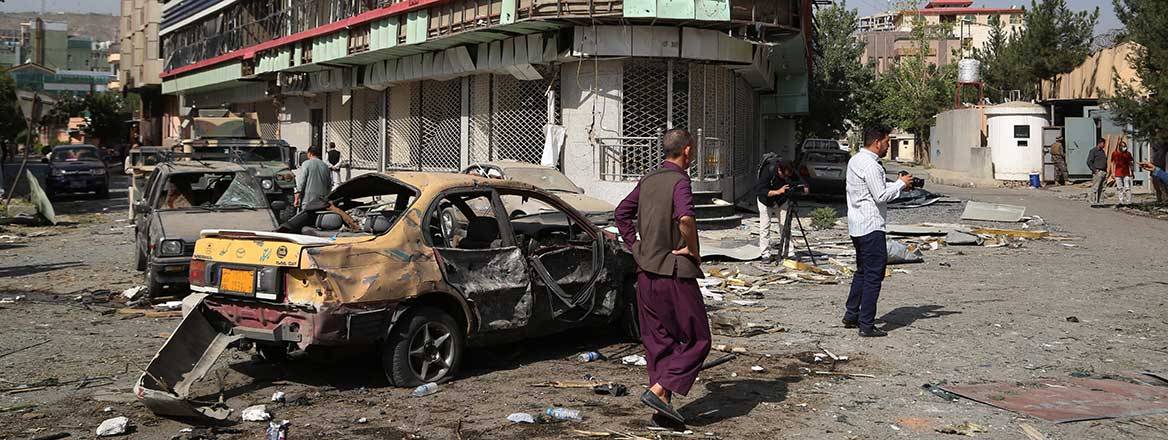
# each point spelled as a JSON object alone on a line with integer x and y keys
{"x": 767, "y": 159}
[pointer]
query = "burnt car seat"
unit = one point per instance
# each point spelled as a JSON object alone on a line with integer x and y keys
{"x": 378, "y": 223}
{"x": 481, "y": 233}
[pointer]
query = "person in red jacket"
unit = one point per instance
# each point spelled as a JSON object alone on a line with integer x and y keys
{"x": 1124, "y": 163}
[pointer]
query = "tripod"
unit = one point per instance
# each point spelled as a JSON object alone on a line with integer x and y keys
{"x": 785, "y": 235}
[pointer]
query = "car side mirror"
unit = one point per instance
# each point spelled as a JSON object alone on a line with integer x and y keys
{"x": 279, "y": 205}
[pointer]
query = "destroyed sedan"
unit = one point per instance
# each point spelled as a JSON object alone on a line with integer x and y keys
{"x": 418, "y": 265}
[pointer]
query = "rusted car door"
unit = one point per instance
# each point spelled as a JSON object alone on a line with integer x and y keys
{"x": 468, "y": 231}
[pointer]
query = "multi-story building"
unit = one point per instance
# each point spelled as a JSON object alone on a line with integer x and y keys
{"x": 46, "y": 58}
{"x": 440, "y": 84}
{"x": 140, "y": 67}
{"x": 887, "y": 35}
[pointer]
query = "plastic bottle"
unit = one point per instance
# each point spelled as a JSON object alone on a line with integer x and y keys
{"x": 588, "y": 356}
{"x": 425, "y": 389}
{"x": 277, "y": 430}
{"x": 557, "y": 413}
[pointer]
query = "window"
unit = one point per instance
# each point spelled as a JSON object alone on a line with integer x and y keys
{"x": 1022, "y": 135}
{"x": 1015, "y": 18}
{"x": 970, "y": 19}
{"x": 465, "y": 221}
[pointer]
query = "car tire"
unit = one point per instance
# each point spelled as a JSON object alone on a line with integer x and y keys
{"x": 630, "y": 319}
{"x": 153, "y": 286}
{"x": 424, "y": 339}
{"x": 272, "y": 353}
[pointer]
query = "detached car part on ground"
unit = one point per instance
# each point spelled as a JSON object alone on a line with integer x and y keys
{"x": 181, "y": 199}
{"x": 417, "y": 264}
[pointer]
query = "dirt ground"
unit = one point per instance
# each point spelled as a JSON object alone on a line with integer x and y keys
{"x": 966, "y": 315}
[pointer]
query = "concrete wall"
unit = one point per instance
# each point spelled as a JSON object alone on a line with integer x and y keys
{"x": 591, "y": 100}
{"x": 981, "y": 164}
{"x": 955, "y": 133}
{"x": 294, "y": 121}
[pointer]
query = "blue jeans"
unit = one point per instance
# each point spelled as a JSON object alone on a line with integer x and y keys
{"x": 871, "y": 258}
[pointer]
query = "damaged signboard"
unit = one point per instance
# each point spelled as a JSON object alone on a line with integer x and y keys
{"x": 418, "y": 264}
{"x": 1069, "y": 399}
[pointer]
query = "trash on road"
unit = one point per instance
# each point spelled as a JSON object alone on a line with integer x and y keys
{"x": 114, "y": 426}
{"x": 993, "y": 212}
{"x": 611, "y": 389}
{"x": 168, "y": 306}
{"x": 255, "y": 413}
{"x": 729, "y": 348}
{"x": 425, "y": 390}
{"x": 278, "y": 396}
{"x": 563, "y": 414}
{"x": 899, "y": 253}
{"x": 937, "y": 391}
{"x": 278, "y": 430}
{"x": 1071, "y": 399}
{"x": 757, "y": 368}
{"x": 722, "y": 324}
{"x": 133, "y": 293}
{"x": 958, "y": 238}
{"x": 966, "y": 428}
{"x": 1072, "y": 319}
{"x": 521, "y": 418}
{"x": 634, "y": 359}
{"x": 1012, "y": 233}
{"x": 589, "y": 356}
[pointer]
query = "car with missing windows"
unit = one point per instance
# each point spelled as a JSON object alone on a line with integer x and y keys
{"x": 548, "y": 179}
{"x": 380, "y": 266}
{"x": 76, "y": 169}
{"x": 180, "y": 199}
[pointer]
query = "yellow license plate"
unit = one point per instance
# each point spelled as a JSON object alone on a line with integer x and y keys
{"x": 237, "y": 280}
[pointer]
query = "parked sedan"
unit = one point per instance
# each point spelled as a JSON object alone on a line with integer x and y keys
{"x": 824, "y": 169}
{"x": 75, "y": 169}
{"x": 378, "y": 265}
{"x": 545, "y": 178}
{"x": 180, "y": 200}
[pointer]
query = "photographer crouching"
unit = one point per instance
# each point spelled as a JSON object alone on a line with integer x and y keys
{"x": 868, "y": 192}
{"x": 776, "y": 182}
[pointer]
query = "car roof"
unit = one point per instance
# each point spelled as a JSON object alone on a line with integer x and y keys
{"x": 62, "y": 147}
{"x": 508, "y": 163}
{"x": 194, "y": 166}
{"x": 440, "y": 181}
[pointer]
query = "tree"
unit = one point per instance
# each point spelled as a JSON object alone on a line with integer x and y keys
{"x": 11, "y": 120}
{"x": 107, "y": 113}
{"x": 1054, "y": 40}
{"x": 1145, "y": 106}
{"x": 915, "y": 89}
{"x": 838, "y": 78}
{"x": 1002, "y": 67}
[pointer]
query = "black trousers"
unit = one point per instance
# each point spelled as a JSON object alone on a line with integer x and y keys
{"x": 871, "y": 259}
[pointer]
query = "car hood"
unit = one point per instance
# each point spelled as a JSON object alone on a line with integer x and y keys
{"x": 586, "y": 204}
{"x": 187, "y": 224}
{"x": 77, "y": 165}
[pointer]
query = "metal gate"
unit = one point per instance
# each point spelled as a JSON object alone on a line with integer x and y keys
{"x": 441, "y": 144}
{"x": 337, "y": 125}
{"x": 743, "y": 127}
{"x": 519, "y": 112}
{"x": 366, "y": 127}
{"x": 403, "y": 126}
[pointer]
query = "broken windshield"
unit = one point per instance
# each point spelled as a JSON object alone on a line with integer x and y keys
{"x": 217, "y": 190}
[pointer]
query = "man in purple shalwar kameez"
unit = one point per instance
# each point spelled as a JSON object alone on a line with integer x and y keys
{"x": 674, "y": 327}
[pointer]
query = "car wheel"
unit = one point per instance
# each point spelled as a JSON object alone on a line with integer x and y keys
{"x": 153, "y": 286}
{"x": 425, "y": 347}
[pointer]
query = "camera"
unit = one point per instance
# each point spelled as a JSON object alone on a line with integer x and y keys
{"x": 917, "y": 182}
{"x": 796, "y": 189}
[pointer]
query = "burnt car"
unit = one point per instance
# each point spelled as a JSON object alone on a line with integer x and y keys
{"x": 378, "y": 266}
{"x": 548, "y": 179}
{"x": 180, "y": 200}
{"x": 76, "y": 169}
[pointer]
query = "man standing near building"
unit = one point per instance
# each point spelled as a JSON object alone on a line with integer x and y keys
{"x": 673, "y": 322}
{"x": 1124, "y": 169}
{"x": 313, "y": 180}
{"x": 1097, "y": 163}
{"x": 771, "y": 190}
{"x": 868, "y": 192}
{"x": 334, "y": 163}
{"x": 1058, "y": 154}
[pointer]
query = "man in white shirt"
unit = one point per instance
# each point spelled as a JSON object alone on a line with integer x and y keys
{"x": 868, "y": 192}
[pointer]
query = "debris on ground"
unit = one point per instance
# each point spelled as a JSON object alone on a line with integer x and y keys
{"x": 278, "y": 430}
{"x": 1071, "y": 399}
{"x": 959, "y": 238}
{"x": 937, "y": 391}
{"x": 1012, "y": 233}
{"x": 1031, "y": 433}
{"x": 132, "y": 293}
{"x": 521, "y": 418}
{"x": 966, "y": 428}
{"x": 114, "y": 426}
{"x": 425, "y": 390}
{"x": 757, "y": 368}
{"x": 722, "y": 324}
{"x": 12, "y": 299}
{"x": 255, "y": 413}
{"x": 279, "y": 396}
{"x": 1072, "y": 319}
{"x": 611, "y": 389}
{"x": 993, "y": 212}
{"x": 729, "y": 348}
{"x": 899, "y": 253}
{"x": 563, "y": 414}
{"x": 589, "y": 356}
{"x": 168, "y": 306}
{"x": 634, "y": 359}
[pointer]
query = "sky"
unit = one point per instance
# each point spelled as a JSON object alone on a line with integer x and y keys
{"x": 101, "y": 6}
{"x": 1107, "y": 19}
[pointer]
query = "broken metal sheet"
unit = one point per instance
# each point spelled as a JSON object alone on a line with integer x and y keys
{"x": 725, "y": 325}
{"x": 496, "y": 283}
{"x": 915, "y": 198}
{"x": 1070, "y": 399}
{"x": 1016, "y": 233}
{"x": 187, "y": 355}
{"x": 40, "y": 201}
{"x": 733, "y": 249}
{"x": 917, "y": 230}
{"x": 993, "y": 212}
{"x": 958, "y": 238}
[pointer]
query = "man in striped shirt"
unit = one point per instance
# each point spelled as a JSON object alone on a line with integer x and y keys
{"x": 868, "y": 192}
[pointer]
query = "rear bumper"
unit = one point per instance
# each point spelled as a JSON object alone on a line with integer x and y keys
{"x": 304, "y": 326}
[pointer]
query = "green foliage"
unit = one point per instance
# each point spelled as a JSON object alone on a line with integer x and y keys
{"x": 1002, "y": 67}
{"x": 839, "y": 79}
{"x": 823, "y": 218}
{"x": 1145, "y": 107}
{"x": 107, "y": 114}
{"x": 11, "y": 121}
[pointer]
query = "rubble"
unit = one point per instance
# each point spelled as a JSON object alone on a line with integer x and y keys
{"x": 114, "y": 426}
{"x": 722, "y": 324}
{"x": 634, "y": 359}
{"x": 255, "y": 413}
{"x": 966, "y": 428}
{"x": 993, "y": 212}
{"x": 521, "y": 418}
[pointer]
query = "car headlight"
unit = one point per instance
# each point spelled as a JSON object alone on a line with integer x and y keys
{"x": 98, "y": 171}
{"x": 170, "y": 248}
{"x": 57, "y": 172}
{"x": 267, "y": 184}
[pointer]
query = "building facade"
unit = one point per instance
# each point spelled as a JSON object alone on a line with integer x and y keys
{"x": 44, "y": 57}
{"x": 888, "y": 35}
{"x": 140, "y": 67}
{"x": 585, "y": 86}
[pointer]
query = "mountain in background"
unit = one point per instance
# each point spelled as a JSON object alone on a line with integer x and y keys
{"x": 100, "y": 27}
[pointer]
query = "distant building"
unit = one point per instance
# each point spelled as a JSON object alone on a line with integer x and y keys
{"x": 139, "y": 64}
{"x": 887, "y": 35}
{"x": 42, "y": 56}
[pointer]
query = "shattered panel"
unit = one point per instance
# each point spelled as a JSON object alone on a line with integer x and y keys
{"x": 1071, "y": 399}
{"x": 496, "y": 283}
